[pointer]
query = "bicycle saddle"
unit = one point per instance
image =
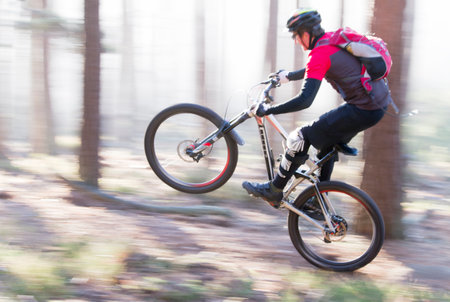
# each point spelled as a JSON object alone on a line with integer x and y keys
{"x": 346, "y": 149}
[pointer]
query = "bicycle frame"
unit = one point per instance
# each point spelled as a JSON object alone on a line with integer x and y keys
{"x": 194, "y": 150}
{"x": 300, "y": 175}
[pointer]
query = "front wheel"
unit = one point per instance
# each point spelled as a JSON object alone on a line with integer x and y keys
{"x": 358, "y": 234}
{"x": 176, "y": 131}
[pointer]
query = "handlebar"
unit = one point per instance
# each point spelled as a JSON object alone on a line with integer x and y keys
{"x": 271, "y": 83}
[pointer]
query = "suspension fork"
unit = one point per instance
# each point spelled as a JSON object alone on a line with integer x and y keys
{"x": 225, "y": 128}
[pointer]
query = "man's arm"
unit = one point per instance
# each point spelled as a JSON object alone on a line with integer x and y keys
{"x": 296, "y": 75}
{"x": 301, "y": 101}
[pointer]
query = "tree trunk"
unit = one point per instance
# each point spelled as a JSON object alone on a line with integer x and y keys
{"x": 271, "y": 41}
{"x": 90, "y": 133}
{"x": 271, "y": 58}
{"x": 6, "y": 90}
{"x": 127, "y": 90}
{"x": 341, "y": 24}
{"x": 382, "y": 175}
{"x": 200, "y": 55}
{"x": 42, "y": 135}
{"x": 299, "y": 63}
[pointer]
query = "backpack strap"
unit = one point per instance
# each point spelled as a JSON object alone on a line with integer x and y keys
{"x": 322, "y": 42}
{"x": 364, "y": 76}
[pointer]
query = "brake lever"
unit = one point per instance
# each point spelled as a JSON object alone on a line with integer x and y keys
{"x": 275, "y": 81}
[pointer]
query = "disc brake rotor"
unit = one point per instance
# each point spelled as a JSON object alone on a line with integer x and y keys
{"x": 189, "y": 145}
{"x": 340, "y": 226}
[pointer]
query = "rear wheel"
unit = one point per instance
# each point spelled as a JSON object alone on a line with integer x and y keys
{"x": 358, "y": 234}
{"x": 176, "y": 131}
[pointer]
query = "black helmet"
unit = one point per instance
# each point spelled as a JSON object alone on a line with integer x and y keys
{"x": 304, "y": 20}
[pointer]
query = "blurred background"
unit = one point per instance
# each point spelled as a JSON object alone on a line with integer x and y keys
{"x": 80, "y": 80}
{"x": 150, "y": 59}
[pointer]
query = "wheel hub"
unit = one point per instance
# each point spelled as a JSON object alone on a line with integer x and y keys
{"x": 185, "y": 149}
{"x": 340, "y": 229}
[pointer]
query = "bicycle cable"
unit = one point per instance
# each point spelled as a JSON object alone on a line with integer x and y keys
{"x": 249, "y": 91}
{"x": 229, "y": 101}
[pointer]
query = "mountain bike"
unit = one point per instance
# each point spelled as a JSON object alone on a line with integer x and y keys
{"x": 333, "y": 225}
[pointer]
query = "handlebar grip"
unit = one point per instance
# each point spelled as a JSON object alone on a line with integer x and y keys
{"x": 274, "y": 81}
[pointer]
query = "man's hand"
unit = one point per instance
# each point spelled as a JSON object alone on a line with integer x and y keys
{"x": 261, "y": 109}
{"x": 281, "y": 75}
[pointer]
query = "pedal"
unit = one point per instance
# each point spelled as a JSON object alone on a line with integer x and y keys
{"x": 299, "y": 173}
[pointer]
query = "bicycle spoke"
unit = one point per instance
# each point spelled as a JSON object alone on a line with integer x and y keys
{"x": 357, "y": 231}
{"x": 348, "y": 245}
{"x": 173, "y": 140}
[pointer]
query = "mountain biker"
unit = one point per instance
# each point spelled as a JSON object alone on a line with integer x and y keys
{"x": 338, "y": 126}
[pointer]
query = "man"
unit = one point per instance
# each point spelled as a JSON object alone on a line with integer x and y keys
{"x": 342, "y": 70}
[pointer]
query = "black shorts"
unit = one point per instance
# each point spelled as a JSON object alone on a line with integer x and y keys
{"x": 340, "y": 125}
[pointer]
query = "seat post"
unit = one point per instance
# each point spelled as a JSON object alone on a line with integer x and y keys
{"x": 327, "y": 157}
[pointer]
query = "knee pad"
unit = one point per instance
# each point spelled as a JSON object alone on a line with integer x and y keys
{"x": 289, "y": 164}
{"x": 296, "y": 143}
{"x": 296, "y": 152}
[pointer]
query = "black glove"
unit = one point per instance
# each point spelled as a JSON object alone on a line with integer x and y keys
{"x": 262, "y": 109}
{"x": 281, "y": 75}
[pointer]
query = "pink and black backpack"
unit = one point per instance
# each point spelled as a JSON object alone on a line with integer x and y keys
{"x": 371, "y": 51}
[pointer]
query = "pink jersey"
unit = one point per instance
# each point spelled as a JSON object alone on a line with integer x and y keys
{"x": 343, "y": 71}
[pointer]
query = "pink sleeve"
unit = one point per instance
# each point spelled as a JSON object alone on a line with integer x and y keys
{"x": 318, "y": 63}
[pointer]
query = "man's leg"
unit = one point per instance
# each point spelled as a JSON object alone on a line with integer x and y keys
{"x": 327, "y": 168}
{"x": 296, "y": 154}
{"x": 339, "y": 125}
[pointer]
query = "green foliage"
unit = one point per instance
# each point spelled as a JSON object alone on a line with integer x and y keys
{"x": 51, "y": 274}
{"x": 48, "y": 275}
{"x": 189, "y": 290}
{"x": 96, "y": 261}
{"x": 45, "y": 20}
{"x": 426, "y": 136}
{"x": 29, "y": 273}
{"x": 239, "y": 288}
{"x": 153, "y": 284}
{"x": 355, "y": 291}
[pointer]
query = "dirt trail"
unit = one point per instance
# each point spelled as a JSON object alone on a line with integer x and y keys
{"x": 41, "y": 212}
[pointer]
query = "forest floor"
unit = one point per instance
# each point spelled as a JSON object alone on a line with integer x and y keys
{"x": 64, "y": 244}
